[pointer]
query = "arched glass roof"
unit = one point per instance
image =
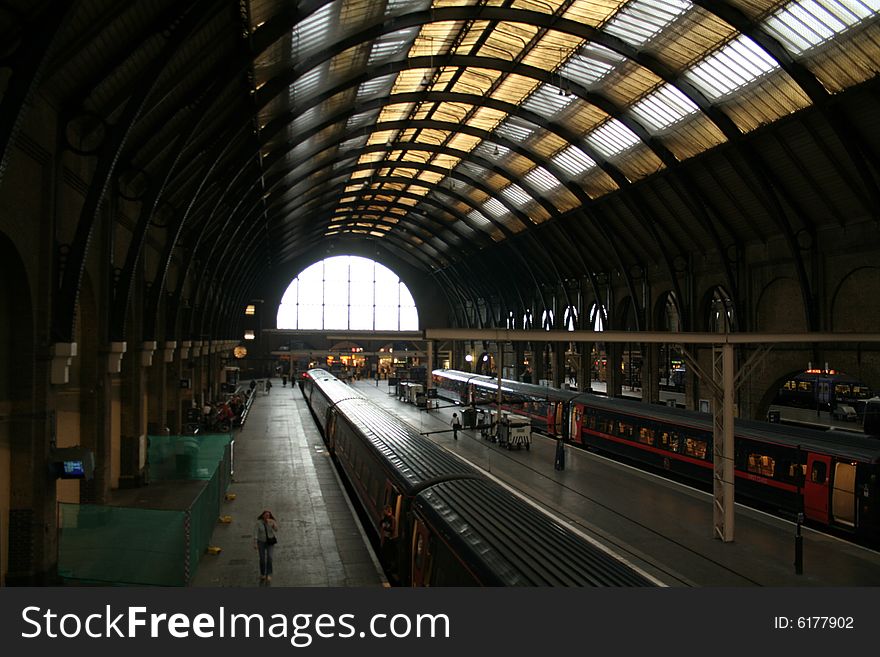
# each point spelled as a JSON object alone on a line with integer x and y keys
{"x": 431, "y": 123}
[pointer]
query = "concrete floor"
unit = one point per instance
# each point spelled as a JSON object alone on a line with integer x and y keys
{"x": 280, "y": 464}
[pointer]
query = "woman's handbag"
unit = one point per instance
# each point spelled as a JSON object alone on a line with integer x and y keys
{"x": 270, "y": 540}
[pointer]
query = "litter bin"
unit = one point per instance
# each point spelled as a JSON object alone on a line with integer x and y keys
{"x": 469, "y": 418}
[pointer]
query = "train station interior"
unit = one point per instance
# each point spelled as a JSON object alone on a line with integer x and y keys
{"x": 671, "y": 204}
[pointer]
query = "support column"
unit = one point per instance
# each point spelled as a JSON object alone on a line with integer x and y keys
{"x": 613, "y": 376}
{"x": 517, "y": 367}
{"x": 650, "y": 373}
{"x": 538, "y": 368}
{"x": 585, "y": 366}
{"x": 723, "y": 452}
{"x": 558, "y": 360}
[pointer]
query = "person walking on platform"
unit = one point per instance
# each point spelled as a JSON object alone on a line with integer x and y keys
{"x": 264, "y": 542}
{"x": 456, "y": 425}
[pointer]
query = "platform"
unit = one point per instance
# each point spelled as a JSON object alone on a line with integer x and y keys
{"x": 280, "y": 464}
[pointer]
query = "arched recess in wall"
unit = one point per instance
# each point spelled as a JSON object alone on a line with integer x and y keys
{"x": 780, "y": 307}
{"x": 667, "y": 317}
{"x": 630, "y": 364}
{"x": 719, "y": 313}
{"x": 87, "y": 331}
{"x": 598, "y": 359}
{"x": 18, "y": 436}
{"x": 855, "y": 307}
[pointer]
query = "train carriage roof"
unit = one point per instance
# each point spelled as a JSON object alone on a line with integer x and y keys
{"x": 458, "y": 375}
{"x": 413, "y": 458}
{"x": 530, "y": 389}
{"x": 842, "y": 444}
{"x": 508, "y": 542}
{"x": 333, "y": 388}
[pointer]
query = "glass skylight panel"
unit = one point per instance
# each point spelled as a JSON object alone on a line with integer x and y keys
{"x": 516, "y": 195}
{"x": 591, "y": 64}
{"x": 732, "y": 67}
{"x": 341, "y": 164}
{"x": 663, "y": 108}
{"x": 573, "y": 161}
{"x": 541, "y": 179}
{"x": 474, "y": 170}
{"x": 612, "y": 138}
{"x": 805, "y": 24}
{"x": 393, "y": 7}
{"x": 375, "y": 87}
{"x": 313, "y": 32}
{"x": 361, "y": 119}
{"x": 388, "y": 46}
{"x": 307, "y": 83}
{"x": 491, "y": 150}
{"x": 639, "y": 21}
{"x": 515, "y": 129}
{"x": 479, "y": 219}
{"x": 547, "y": 102}
{"x": 307, "y": 119}
{"x": 354, "y": 143}
{"x": 495, "y": 207}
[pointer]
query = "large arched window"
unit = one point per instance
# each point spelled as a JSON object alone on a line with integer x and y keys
{"x": 348, "y": 292}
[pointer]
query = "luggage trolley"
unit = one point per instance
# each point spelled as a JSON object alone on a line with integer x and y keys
{"x": 515, "y": 431}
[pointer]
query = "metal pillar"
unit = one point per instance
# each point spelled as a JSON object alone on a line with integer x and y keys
{"x": 722, "y": 439}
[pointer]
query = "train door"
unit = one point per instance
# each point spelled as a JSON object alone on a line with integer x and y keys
{"x": 421, "y": 555}
{"x": 817, "y": 487}
{"x": 574, "y": 430}
{"x": 823, "y": 392}
{"x": 550, "y": 417}
{"x": 330, "y": 431}
{"x": 843, "y": 495}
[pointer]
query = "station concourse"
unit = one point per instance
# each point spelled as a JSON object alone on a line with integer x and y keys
{"x": 194, "y": 195}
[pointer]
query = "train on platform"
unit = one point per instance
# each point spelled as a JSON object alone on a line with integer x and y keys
{"x": 547, "y": 407}
{"x": 832, "y": 477}
{"x": 823, "y": 390}
{"x": 452, "y": 525}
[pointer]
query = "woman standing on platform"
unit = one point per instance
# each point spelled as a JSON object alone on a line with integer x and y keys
{"x": 264, "y": 542}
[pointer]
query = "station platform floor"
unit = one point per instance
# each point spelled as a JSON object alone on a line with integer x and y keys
{"x": 280, "y": 464}
{"x": 663, "y": 527}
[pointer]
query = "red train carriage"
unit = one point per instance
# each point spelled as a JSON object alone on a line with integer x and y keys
{"x": 831, "y": 476}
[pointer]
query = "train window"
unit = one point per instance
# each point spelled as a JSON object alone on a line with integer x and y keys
{"x": 861, "y": 392}
{"x": 790, "y": 385}
{"x": 761, "y": 464}
{"x": 670, "y": 441}
{"x": 842, "y": 390}
{"x": 819, "y": 473}
{"x": 696, "y": 447}
{"x": 805, "y": 386}
{"x": 646, "y": 436}
{"x": 625, "y": 429}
